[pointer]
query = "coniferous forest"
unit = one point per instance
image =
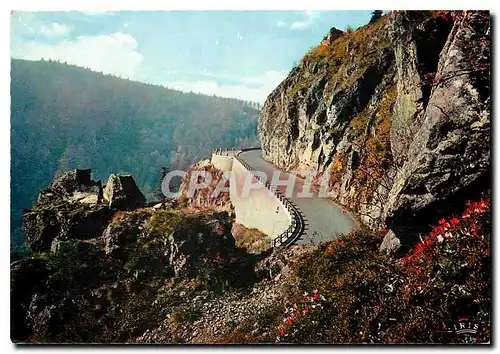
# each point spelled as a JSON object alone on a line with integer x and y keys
{"x": 65, "y": 117}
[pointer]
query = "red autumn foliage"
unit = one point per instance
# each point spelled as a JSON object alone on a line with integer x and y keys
{"x": 371, "y": 298}
{"x": 449, "y": 231}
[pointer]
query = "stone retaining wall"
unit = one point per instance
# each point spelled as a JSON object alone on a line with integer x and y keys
{"x": 265, "y": 208}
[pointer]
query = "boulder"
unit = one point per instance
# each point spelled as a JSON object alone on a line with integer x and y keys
{"x": 390, "y": 244}
{"x": 121, "y": 192}
{"x": 192, "y": 242}
{"x": 63, "y": 221}
{"x": 122, "y": 234}
{"x": 332, "y": 35}
{"x": 75, "y": 185}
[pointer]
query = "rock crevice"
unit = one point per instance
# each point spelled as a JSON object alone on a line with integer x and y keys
{"x": 397, "y": 112}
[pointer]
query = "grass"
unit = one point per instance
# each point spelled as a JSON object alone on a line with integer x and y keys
{"x": 163, "y": 222}
{"x": 347, "y": 58}
{"x": 368, "y": 297}
{"x": 121, "y": 219}
{"x": 253, "y": 240}
{"x": 369, "y": 131}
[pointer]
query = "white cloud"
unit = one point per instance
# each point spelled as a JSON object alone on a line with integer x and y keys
{"x": 255, "y": 88}
{"x": 55, "y": 30}
{"x": 312, "y": 14}
{"x": 97, "y": 13}
{"x": 309, "y": 19}
{"x": 299, "y": 25}
{"x": 114, "y": 53}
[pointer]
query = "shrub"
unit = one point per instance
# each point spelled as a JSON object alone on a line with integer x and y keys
{"x": 186, "y": 314}
{"x": 368, "y": 297}
{"x": 252, "y": 240}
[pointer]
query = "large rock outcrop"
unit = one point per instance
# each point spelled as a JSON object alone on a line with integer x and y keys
{"x": 69, "y": 208}
{"x": 394, "y": 115}
{"x": 107, "y": 269}
{"x": 48, "y": 224}
{"x": 452, "y": 147}
{"x": 73, "y": 207}
{"x": 121, "y": 192}
{"x": 210, "y": 197}
{"x": 75, "y": 185}
{"x": 182, "y": 243}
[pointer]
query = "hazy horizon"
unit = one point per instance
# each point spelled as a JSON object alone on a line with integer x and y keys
{"x": 238, "y": 54}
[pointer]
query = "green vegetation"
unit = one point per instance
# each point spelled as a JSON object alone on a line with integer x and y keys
{"x": 361, "y": 295}
{"x": 122, "y": 219}
{"x": 115, "y": 297}
{"x": 347, "y": 58}
{"x": 369, "y": 133}
{"x": 175, "y": 292}
{"x": 163, "y": 222}
{"x": 253, "y": 240}
{"x": 346, "y": 291}
{"x": 65, "y": 117}
{"x": 301, "y": 85}
{"x": 376, "y": 152}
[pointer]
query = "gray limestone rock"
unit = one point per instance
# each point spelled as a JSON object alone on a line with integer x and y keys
{"x": 121, "y": 192}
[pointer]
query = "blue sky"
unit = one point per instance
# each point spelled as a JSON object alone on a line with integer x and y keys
{"x": 242, "y": 54}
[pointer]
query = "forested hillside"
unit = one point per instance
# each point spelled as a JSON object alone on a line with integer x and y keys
{"x": 65, "y": 117}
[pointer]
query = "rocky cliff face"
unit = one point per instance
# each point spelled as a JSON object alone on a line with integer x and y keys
{"x": 121, "y": 192}
{"x": 95, "y": 271}
{"x": 69, "y": 208}
{"x": 205, "y": 198}
{"x": 397, "y": 113}
{"x": 75, "y": 207}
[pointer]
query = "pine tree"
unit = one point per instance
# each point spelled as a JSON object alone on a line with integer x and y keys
{"x": 376, "y": 15}
{"x": 159, "y": 193}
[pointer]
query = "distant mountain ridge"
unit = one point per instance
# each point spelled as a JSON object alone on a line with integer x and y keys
{"x": 65, "y": 117}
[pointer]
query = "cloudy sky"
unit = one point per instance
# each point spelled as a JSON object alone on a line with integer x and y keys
{"x": 232, "y": 54}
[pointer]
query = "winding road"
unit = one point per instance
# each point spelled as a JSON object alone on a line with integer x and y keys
{"x": 324, "y": 219}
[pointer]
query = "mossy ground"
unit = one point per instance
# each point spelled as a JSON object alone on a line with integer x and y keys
{"x": 346, "y": 59}
{"x": 252, "y": 240}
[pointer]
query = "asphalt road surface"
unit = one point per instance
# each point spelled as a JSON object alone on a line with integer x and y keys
{"x": 324, "y": 219}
